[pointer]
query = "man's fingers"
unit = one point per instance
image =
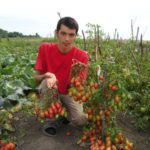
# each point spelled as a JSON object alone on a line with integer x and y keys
{"x": 51, "y": 82}
{"x": 49, "y": 75}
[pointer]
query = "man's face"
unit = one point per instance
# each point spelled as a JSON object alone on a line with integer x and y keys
{"x": 66, "y": 37}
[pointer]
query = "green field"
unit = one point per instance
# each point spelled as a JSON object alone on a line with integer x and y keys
{"x": 123, "y": 63}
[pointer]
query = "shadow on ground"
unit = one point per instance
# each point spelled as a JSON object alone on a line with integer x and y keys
{"x": 30, "y": 137}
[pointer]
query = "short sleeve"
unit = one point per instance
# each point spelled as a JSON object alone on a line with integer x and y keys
{"x": 40, "y": 60}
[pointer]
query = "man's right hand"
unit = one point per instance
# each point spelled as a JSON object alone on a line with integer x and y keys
{"x": 49, "y": 75}
{"x": 50, "y": 80}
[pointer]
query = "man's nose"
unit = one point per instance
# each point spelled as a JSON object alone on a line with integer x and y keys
{"x": 67, "y": 37}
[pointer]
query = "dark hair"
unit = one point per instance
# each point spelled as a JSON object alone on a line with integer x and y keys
{"x": 69, "y": 22}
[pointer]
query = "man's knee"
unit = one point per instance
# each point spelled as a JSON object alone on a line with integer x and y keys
{"x": 79, "y": 120}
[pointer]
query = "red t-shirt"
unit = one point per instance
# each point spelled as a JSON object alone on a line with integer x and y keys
{"x": 50, "y": 59}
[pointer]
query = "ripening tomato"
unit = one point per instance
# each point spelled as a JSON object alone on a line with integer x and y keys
{"x": 91, "y": 84}
{"x": 117, "y": 98}
{"x": 51, "y": 111}
{"x": 70, "y": 93}
{"x": 75, "y": 98}
{"x": 58, "y": 105}
{"x": 90, "y": 111}
{"x": 96, "y": 85}
{"x": 77, "y": 84}
{"x": 110, "y": 108}
{"x": 119, "y": 135}
{"x": 74, "y": 91}
{"x": 99, "y": 142}
{"x": 121, "y": 147}
{"x": 54, "y": 108}
{"x": 68, "y": 133}
{"x": 46, "y": 113}
{"x": 84, "y": 138}
{"x": 79, "y": 142}
{"x": 110, "y": 85}
{"x": 117, "y": 141}
{"x": 98, "y": 118}
{"x": 114, "y": 87}
{"x": 79, "y": 95}
{"x": 72, "y": 81}
{"x": 92, "y": 139}
{"x": 107, "y": 113}
{"x": 98, "y": 123}
{"x": 84, "y": 99}
{"x": 101, "y": 113}
{"x": 130, "y": 145}
{"x": 87, "y": 94}
{"x": 60, "y": 110}
{"x": 83, "y": 82}
{"x": 126, "y": 148}
{"x": 51, "y": 115}
{"x": 101, "y": 78}
{"x": 3, "y": 148}
{"x": 108, "y": 143}
{"x": 62, "y": 113}
{"x": 80, "y": 88}
{"x": 107, "y": 138}
{"x": 10, "y": 146}
{"x": 42, "y": 115}
{"x": 102, "y": 147}
{"x": 108, "y": 148}
{"x": 113, "y": 147}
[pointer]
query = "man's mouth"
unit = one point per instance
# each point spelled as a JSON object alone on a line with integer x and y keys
{"x": 66, "y": 44}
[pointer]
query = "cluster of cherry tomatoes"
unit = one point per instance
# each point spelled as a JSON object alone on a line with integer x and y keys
{"x": 78, "y": 90}
{"x": 100, "y": 102}
{"x": 49, "y": 106}
{"x": 118, "y": 142}
{"x": 54, "y": 111}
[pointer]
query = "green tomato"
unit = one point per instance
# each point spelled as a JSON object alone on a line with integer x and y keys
{"x": 143, "y": 109}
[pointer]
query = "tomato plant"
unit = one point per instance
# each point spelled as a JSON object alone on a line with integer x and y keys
{"x": 101, "y": 100}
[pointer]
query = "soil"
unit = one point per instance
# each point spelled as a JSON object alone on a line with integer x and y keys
{"x": 141, "y": 139}
{"x": 30, "y": 137}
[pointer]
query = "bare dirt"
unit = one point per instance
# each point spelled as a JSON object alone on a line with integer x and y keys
{"x": 141, "y": 139}
{"x": 30, "y": 137}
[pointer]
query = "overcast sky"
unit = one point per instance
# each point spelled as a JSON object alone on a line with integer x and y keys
{"x": 40, "y": 16}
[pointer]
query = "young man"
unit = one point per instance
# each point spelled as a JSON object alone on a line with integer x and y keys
{"x": 53, "y": 68}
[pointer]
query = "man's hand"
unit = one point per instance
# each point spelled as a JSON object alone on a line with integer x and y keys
{"x": 49, "y": 75}
{"x": 50, "y": 80}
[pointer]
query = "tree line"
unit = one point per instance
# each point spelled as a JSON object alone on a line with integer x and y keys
{"x": 5, "y": 34}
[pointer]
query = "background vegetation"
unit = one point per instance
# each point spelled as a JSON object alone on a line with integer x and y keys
{"x": 124, "y": 62}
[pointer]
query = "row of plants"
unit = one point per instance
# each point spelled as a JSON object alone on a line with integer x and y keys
{"x": 15, "y": 78}
{"x": 119, "y": 63}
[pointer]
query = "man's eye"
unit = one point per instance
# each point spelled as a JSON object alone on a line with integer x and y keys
{"x": 63, "y": 33}
{"x": 71, "y": 35}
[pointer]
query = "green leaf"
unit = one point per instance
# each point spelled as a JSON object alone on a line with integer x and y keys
{"x": 8, "y": 127}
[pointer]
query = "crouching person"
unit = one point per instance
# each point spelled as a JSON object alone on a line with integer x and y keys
{"x": 53, "y": 66}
